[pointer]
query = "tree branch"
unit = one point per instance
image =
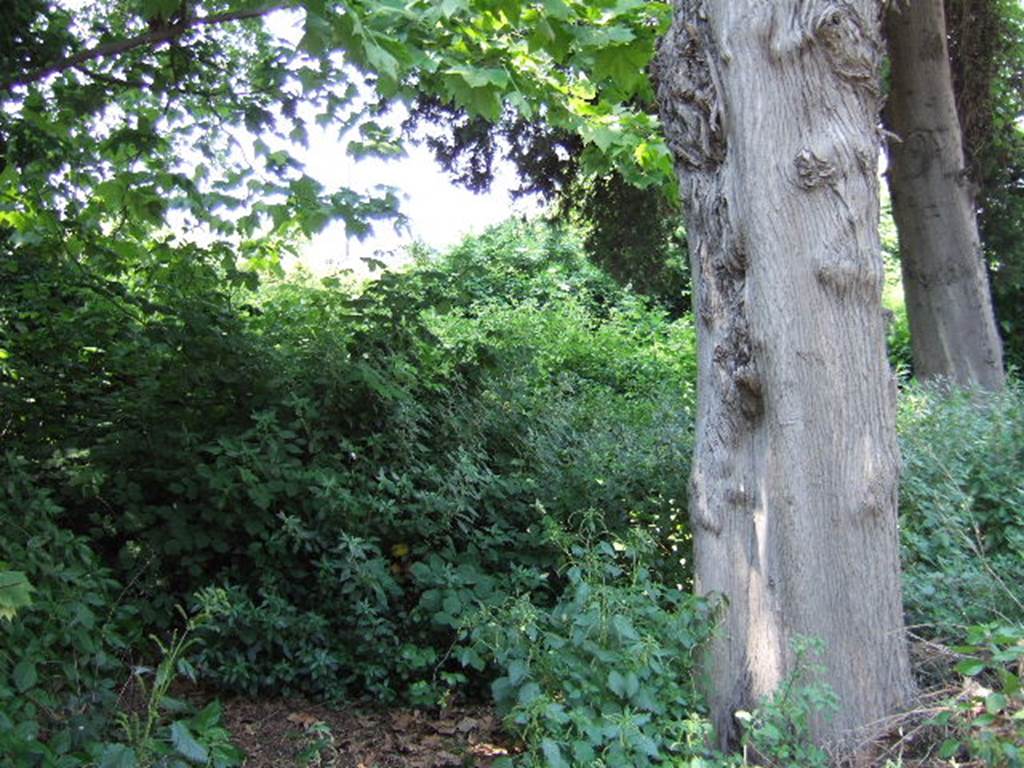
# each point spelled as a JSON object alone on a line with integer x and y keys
{"x": 152, "y": 38}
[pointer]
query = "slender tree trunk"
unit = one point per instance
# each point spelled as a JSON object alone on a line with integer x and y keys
{"x": 771, "y": 110}
{"x": 952, "y": 328}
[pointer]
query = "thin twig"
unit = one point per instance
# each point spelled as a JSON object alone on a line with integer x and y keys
{"x": 152, "y": 38}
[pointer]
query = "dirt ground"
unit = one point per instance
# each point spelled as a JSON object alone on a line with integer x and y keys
{"x": 283, "y": 734}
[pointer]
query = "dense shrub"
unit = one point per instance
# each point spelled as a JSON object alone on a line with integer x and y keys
{"x": 61, "y": 657}
{"x": 451, "y": 416}
{"x": 313, "y": 462}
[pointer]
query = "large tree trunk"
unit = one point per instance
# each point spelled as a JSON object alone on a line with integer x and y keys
{"x": 952, "y": 328}
{"x": 771, "y": 110}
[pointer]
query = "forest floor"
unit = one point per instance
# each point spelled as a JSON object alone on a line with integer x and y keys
{"x": 282, "y": 734}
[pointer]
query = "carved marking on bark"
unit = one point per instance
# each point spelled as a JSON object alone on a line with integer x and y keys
{"x": 920, "y": 150}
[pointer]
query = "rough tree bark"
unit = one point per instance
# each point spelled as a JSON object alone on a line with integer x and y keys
{"x": 952, "y": 327}
{"x": 771, "y": 111}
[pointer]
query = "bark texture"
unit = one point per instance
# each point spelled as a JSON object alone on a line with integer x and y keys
{"x": 771, "y": 111}
{"x": 952, "y": 327}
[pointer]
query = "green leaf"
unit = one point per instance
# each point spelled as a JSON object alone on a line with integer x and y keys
{"x": 186, "y": 745}
{"x": 517, "y": 671}
{"x": 553, "y": 754}
{"x": 557, "y": 9}
{"x": 970, "y": 667}
{"x": 583, "y": 753}
{"x": 617, "y": 683}
{"x": 995, "y": 703}
{"x": 528, "y": 694}
{"x": 25, "y": 675}
{"x": 118, "y": 756}
{"x": 481, "y": 77}
{"x": 632, "y": 685}
{"x": 15, "y": 592}
{"x": 450, "y": 7}
{"x": 949, "y": 748}
{"x": 983, "y": 720}
{"x": 625, "y": 65}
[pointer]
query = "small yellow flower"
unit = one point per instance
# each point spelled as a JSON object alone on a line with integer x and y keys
{"x": 400, "y": 550}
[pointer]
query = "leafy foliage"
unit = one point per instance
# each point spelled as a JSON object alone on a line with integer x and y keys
{"x": 778, "y": 732}
{"x": 60, "y": 656}
{"x": 962, "y": 524}
{"x": 988, "y": 723}
{"x": 604, "y": 676}
{"x": 167, "y": 731}
{"x": 311, "y": 445}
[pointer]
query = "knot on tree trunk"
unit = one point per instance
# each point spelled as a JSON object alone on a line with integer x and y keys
{"x": 814, "y": 171}
{"x": 851, "y": 44}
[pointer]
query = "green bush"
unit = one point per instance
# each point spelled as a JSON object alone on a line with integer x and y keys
{"x": 395, "y": 437}
{"x": 962, "y": 507}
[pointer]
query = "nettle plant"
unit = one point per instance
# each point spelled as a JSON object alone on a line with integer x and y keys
{"x": 778, "y": 732}
{"x": 605, "y": 675}
{"x": 987, "y": 721}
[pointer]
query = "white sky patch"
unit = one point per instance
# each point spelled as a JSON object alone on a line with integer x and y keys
{"x": 439, "y": 213}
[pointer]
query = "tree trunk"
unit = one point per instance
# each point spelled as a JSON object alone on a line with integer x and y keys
{"x": 952, "y": 328}
{"x": 771, "y": 111}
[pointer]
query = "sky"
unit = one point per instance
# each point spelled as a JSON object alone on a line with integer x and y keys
{"x": 439, "y": 213}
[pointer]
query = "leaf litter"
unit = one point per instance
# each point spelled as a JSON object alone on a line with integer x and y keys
{"x": 281, "y": 734}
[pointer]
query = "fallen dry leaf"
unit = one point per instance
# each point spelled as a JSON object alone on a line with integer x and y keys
{"x": 304, "y": 719}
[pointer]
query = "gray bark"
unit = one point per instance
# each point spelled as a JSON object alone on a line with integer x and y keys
{"x": 952, "y": 328}
{"x": 771, "y": 111}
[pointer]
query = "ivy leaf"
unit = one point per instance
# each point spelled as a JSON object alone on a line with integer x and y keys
{"x": 186, "y": 745}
